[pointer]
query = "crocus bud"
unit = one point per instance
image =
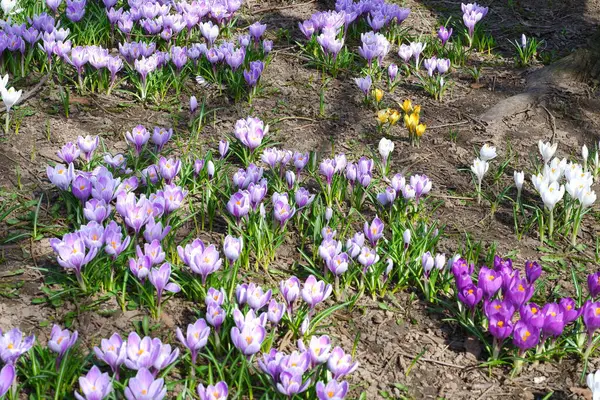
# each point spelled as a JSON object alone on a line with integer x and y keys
{"x": 232, "y": 247}
{"x": 519, "y": 179}
{"x": 290, "y": 178}
{"x": 193, "y": 104}
{"x": 585, "y": 154}
{"x": 392, "y": 72}
{"x": 223, "y": 148}
{"x": 262, "y": 211}
{"x": 328, "y": 214}
{"x": 210, "y": 168}
{"x": 406, "y": 237}
{"x": 386, "y": 147}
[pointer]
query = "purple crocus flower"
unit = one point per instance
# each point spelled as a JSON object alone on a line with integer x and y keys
{"x": 87, "y": 145}
{"x": 255, "y": 297}
{"x": 338, "y": 264}
{"x": 364, "y": 84}
{"x": 81, "y": 187}
{"x": 223, "y": 148}
{"x": 160, "y": 137}
{"x": 303, "y": 198}
{"x": 519, "y": 291}
{"x": 593, "y": 281}
{"x": 314, "y": 292}
{"x": 152, "y": 250}
{"x": 333, "y": 390}
{"x": 489, "y": 281}
{"x": 113, "y": 352}
{"x": 340, "y": 364}
{"x": 209, "y": 31}
{"x": 220, "y": 391}
{"x": 532, "y": 314}
{"x": 554, "y": 321}
{"x": 71, "y": 251}
{"x": 92, "y": 234}
{"x": 61, "y": 175}
{"x": 61, "y": 340}
{"x": 53, "y": 5}
{"x": 144, "y": 387}
{"x": 205, "y": 262}
{"x": 141, "y": 353}
{"x": 95, "y": 385}
{"x": 533, "y": 270}
{"x": 591, "y": 316}
{"x": 140, "y": 267}
{"x": 252, "y": 75}
{"x": 470, "y": 295}
{"x": 444, "y": 34}
{"x": 500, "y": 326}
{"x": 154, "y": 231}
{"x": 215, "y": 315}
{"x": 169, "y": 168}
{"x": 282, "y": 211}
{"x": 569, "y": 309}
{"x": 239, "y": 204}
{"x": 374, "y": 231}
{"x": 160, "y": 280}
{"x": 275, "y": 311}
{"x": 113, "y": 238}
{"x": 327, "y": 169}
{"x": 503, "y": 307}
{"x": 525, "y": 336}
{"x": 249, "y": 338}
{"x": 196, "y": 337}
{"x": 7, "y": 377}
{"x": 13, "y": 345}
{"x": 69, "y": 153}
{"x": 367, "y": 258}
{"x": 257, "y": 30}
{"x": 232, "y": 248}
{"x": 75, "y": 10}
{"x": 290, "y": 290}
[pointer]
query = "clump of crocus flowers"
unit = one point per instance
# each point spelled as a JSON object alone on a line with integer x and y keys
{"x": 412, "y": 123}
{"x": 498, "y": 299}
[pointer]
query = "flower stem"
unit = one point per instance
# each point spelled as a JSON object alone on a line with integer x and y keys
{"x": 7, "y": 122}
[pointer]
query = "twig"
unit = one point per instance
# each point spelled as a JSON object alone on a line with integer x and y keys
{"x": 264, "y": 10}
{"x": 294, "y": 117}
{"x": 552, "y": 123}
{"x": 485, "y": 392}
{"x": 430, "y": 360}
{"x": 447, "y": 125}
{"x": 30, "y": 93}
{"x": 441, "y": 196}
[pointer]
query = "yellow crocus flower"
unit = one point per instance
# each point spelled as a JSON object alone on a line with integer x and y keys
{"x": 420, "y": 130}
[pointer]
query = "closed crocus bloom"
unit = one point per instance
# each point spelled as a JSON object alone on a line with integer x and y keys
{"x": 500, "y": 326}
{"x": 196, "y": 337}
{"x": 138, "y": 137}
{"x": 591, "y": 316}
{"x": 290, "y": 290}
{"x": 144, "y": 387}
{"x": 489, "y": 281}
{"x": 487, "y": 152}
{"x": 525, "y": 336}
{"x": 440, "y": 261}
{"x": 547, "y": 150}
{"x": 94, "y": 386}
{"x": 364, "y": 84}
{"x": 406, "y": 238}
{"x": 7, "y": 377}
{"x": 593, "y": 382}
{"x": 340, "y": 364}
{"x": 470, "y": 295}
{"x": 13, "y": 345}
{"x": 554, "y": 322}
{"x": 374, "y": 231}
{"x": 480, "y": 168}
{"x": 275, "y": 311}
{"x": 223, "y": 148}
{"x": 533, "y": 270}
{"x": 193, "y": 104}
{"x": 81, "y": 187}
{"x": 392, "y": 72}
{"x": 112, "y": 351}
{"x": 427, "y": 262}
{"x": 220, "y": 391}
{"x": 593, "y": 281}
{"x": 232, "y": 248}
{"x": 87, "y": 145}
{"x": 386, "y": 147}
{"x": 519, "y": 180}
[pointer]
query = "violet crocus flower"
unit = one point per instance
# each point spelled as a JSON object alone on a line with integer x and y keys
{"x": 554, "y": 321}
{"x": 220, "y": 391}
{"x": 275, "y": 311}
{"x": 444, "y": 34}
{"x": 489, "y": 281}
{"x": 367, "y": 258}
{"x": 252, "y": 75}
{"x": 327, "y": 169}
{"x": 71, "y": 251}
{"x": 205, "y": 262}
{"x": 525, "y": 336}
{"x": 141, "y": 353}
{"x": 364, "y": 84}
{"x": 196, "y": 337}
{"x": 81, "y": 187}
{"x": 282, "y": 212}
{"x": 533, "y": 270}
{"x": 569, "y": 309}
{"x": 405, "y": 53}
{"x": 256, "y": 297}
{"x": 7, "y": 377}
{"x": 95, "y": 385}
{"x": 13, "y": 345}
{"x": 75, "y": 10}
{"x": 61, "y": 175}
{"x": 232, "y": 248}
{"x": 215, "y": 315}
{"x": 113, "y": 352}
{"x": 374, "y": 231}
{"x": 470, "y": 296}
{"x": 169, "y": 168}
{"x": 152, "y": 250}
{"x": 223, "y": 148}
{"x": 159, "y": 278}
{"x": 87, "y": 145}
{"x": 314, "y": 292}
{"x": 61, "y": 340}
{"x": 290, "y": 290}
{"x": 340, "y": 364}
{"x": 500, "y": 326}
{"x": 69, "y": 153}
{"x": 303, "y": 198}
{"x": 256, "y": 31}
{"x": 144, "y": 387}
{"x": 160, "y": 137}
{"x": 250, "y": 132}
{"x": 532, "y": 314}
{"x": 519, "y": 291}
{"x": 249, "y": 338}
{"x": 154, "y": 231}
{"x": 239, "y": 204}
{"x": 53, "y": 5}
{"x": 591, "y": 317}
{"x": 333, "y": 390}
{"x": 593, "y": 281}
{"x": 338, "y": 264}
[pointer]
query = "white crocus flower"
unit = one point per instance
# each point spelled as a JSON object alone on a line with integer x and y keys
{"x": 3, "y": 81}
{"x": 573, "y": 170}
{"x": 547, "y": 150}
{"x": 386, "y": 147}
{"x": 539, "y": 181}
{"x": 585, "y": 154}
{"x": 8, "y": 6}
{"x": 552, "y": 194}
{"x": 487, "y": 152}
{"x": 440, "y": 261}
{"x": 10, "y": 97}
{"x": 519, "y": 180}
{"x": 554, "y": 171}
{"x": 479, "y": 168}
{"x": 575, "y": 187}
{"x": 593, "y": 382}
{"x": 587, "y": 197}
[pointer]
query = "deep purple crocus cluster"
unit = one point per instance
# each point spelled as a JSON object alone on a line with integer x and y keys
{"x": 505, "y": 297}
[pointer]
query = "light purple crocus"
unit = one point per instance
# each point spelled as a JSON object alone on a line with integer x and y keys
{"x": 257, "y": 30}
{"x": 87, "y": 145}
{"x": 144, "y": 387}
{"x": 444, "y": 34}
{"x": 223, "y": 148}
{"x": 239, "y": 204}
{"x": 232, "y": 248}
{"x": 7, "y": 377}
{"x": 95, "y": 385}
{"x": 220, "y": 391}
{"x": 141, "y": 353}
{"x": 196, "y": 337}
{"x": 314, "y": 292}
{"x": 364, "y": 84}
{"x": 333, "y": 390}
{"x": 113, "y": 352}
{"x": 69, "y": 152}
{"x": 60, "y": 175}
{"x": 205, "y": 262}
{"x": 340, "y": 364}
{"x": 160, "y": 137}
{"x": 256, "y": 297}
{"x": 61, "y": 340}
{"x": 249, "y": 338}
{"x": 374, "y": 231}
{"x": 13, "y": 345}
{"x": 160, "y": 280}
